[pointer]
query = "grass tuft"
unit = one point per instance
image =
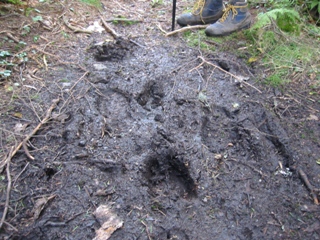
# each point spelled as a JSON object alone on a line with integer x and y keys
{"x": 93, "y": 3}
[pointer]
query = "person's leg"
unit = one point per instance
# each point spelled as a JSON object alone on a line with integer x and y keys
{"x": 236, "y": 16}
{"x": 204, "y": 11}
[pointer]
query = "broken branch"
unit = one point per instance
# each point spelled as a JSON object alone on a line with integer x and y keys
{"x": 109, "y": 29}
{"x": 186, "y": 29}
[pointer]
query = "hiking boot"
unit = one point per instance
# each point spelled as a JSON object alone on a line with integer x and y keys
{"x": 236, "y": 16}
{"x": 204, "y": 11}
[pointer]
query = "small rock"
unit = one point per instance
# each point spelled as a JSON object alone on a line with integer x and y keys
{"x": 159, "y": 118}
{"x": 82, "y": 143}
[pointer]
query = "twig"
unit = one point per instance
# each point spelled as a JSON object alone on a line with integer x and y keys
{"x": 221, "y": 69}
{"x": 15, "y": 229}
{"x": 9, "y": 35}
{"x": 27, "y": 138}
{"x": 73, "y": 86}
{"x": 186, "y": 29}
{"x": 309, "y": 186}
{"x": 14, "y": 182}
{"x": 146, "y": 230}
{"x": 26, "y": 151}
{"x": 109, "y": 29}
{"x": 78, "y": 81}
{"x": 8, "y": 189}
{"x": 75, "y": 29}
{"x": 161, "y": 29}
{"x": 50, "y": 54}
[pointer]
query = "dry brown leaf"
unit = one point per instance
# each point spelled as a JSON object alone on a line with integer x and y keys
{"x": 39, "y": 206}
{"x": 62, "y": 117}
{"x": 109, "y": 221}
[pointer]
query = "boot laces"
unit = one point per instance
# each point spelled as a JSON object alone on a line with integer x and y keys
{"x": 198, "y": 7}
{"x": 227, "y": 10}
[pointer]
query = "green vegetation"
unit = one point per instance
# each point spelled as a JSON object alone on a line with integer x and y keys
{"x": 4, "y": 64}
{"x": 93, "y": 3}
{"x": 155, "y": 3}
{"x": 124, "y": 20}
{"x": 314, "y": 5}
{"x": 15, "y": 2}
{"x": 280, "y": 38}
{"x": 283, "y": 42}
{"x": 199, "y": 39}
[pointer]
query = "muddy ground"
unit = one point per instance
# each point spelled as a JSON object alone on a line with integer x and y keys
{"x": 175, "y": 147}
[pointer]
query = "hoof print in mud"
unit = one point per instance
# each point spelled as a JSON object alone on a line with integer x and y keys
{"x": 113, "y": 51}
{"x": 152, "y": 93}
{"x": 168, "y": 175}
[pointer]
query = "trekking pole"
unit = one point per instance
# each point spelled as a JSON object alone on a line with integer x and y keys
{"x": 173, "y": 13}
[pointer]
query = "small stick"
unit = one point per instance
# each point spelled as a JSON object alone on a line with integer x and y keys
{"x": 11, "y": 226}
{"x": 146, "y": 230}
{"x": 309, "y": 186}
{"x": 9, "y": 35}
{"x": 109, "y": 29}
{"x": 78, "y": 81}
{"x": 26, "y": 151}
{"x": 25, "y": 167}
{"x": 232, "y": 75}
{"x": 50, "y": 54}
{"x": 27, "y": 138}
{"x": 186, "y": 29}
{"x": 161, "y": 29}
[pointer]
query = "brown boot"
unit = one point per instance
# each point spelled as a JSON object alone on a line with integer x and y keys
{"x": 236, "y": 16}
{"x": 204, "y": 11}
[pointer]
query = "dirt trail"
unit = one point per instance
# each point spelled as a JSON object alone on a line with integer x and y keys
{"x": 175, "y": 149}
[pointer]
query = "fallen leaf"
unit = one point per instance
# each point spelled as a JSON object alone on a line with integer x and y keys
{"x": 252, "y": 59}
{"x": 62, "y": 117}
{"x": 313, "y": 117}
{"x": 17, "y": 115}
{"x": 39, "y": 206}
{"x": 109, "y": 222}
